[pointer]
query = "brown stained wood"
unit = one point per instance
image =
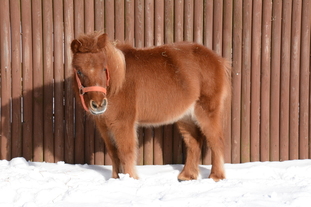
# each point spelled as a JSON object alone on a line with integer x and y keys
{"x": 89, "y": 17}
{"x": 304, "y": 110}
{"x": 148, "y": 146}
{"x": 167, "y": 144}
{"x": 69, "y": 101}
{"x": 17, "y": 138}
{"x": 129, "y": 26}
{"x": 255, "y": 79}
{"x": 236, "y": 82}
{"x": 139, "y": 24}
{"x": 285, "y": 79}
{"x": 227, "y": 53}
{"x": 38, "y": 85}
{"x": 158, "y": 146}
{"x": 119, "y": 20}
{"x": 294, "y": 80}
{"x": 188, "y": 20}
{"x": 217, "y": 26}
{"x": 208, "y": 24}
{"x": 168, "y": 21}
{"x": 27, "y": 79}
{"x": 275, "y": 80}
{"x": 265, "y": 81}
{"x": 48, "y": 75}
{"x": 99, "y": 15}
{"x": 198, "y": 22}
{"x": 109, "y": 19}
{"x": 246, "y": 82}
{"x": 5, "y": 139}
{"x": 179, "y": 20}
{"x": 59, "y": 129}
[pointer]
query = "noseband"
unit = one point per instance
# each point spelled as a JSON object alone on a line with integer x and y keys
{"x": 83, "y": 90}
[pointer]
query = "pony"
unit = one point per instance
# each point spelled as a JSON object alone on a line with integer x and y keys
{"x": 123, "y": 87}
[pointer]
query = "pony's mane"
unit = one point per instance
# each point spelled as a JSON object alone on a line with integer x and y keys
{"x": 89, "y": 43}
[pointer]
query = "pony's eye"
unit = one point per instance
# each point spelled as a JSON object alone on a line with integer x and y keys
{"x": 80, "y": 73}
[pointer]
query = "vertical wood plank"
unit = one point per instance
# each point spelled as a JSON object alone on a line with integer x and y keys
{"x": 304, "y": 122}
{"x": 69, "y": 100}
{"x": 208, "y": 23}
{"x": 119, "y": 20}
{"x": 285, "y": 79}
{"x": 188, "y": 20}
{"x": 99, "y": 15}
{"x": 129, "y": 26}
{"x": 15, "y": 13}
{"x": 48, "y": 80}
{"x": 38, "y": 93}
{"x": 139, "y": 24}
{"x": 179, "y": 20}
{"x": 217, "y": 26}
{"x": 5, "y": 81}
{"x": 27, "y": 80}
{"x": 275, "y": 80}
{"x": 236, "y": 81}
{"x": 227, "y": 53}
{"x": 198, "y": 21}
{"x": 294, "y": 80}
{"x": 169, "y": 21}
{"x": 246, "y": 81}
{"x": 265, "y": 81}
{"x": 255, "y": 79}
{"x": 109, "y": 18}
{"x": 58, "y": 80}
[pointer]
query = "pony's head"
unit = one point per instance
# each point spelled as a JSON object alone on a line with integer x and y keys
{"x": 91, "y": 72}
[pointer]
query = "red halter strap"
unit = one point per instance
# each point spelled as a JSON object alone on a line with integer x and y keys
{"x": 83, "y": 90}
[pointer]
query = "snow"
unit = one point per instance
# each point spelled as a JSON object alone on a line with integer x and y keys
{"x": 31, "y": 184}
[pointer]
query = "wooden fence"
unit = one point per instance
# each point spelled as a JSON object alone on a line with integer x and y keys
{"x": 267, "y": 41}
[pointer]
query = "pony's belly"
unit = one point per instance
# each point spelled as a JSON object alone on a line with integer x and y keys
{"x": 167, "y": 117}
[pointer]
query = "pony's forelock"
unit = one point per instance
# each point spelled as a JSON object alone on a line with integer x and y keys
{"x": 89, "y": 43}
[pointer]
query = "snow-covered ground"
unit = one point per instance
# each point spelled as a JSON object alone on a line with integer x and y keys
{"x": 32, "y": 184}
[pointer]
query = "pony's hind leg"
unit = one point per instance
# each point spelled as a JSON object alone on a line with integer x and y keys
{"x": 193, "y": 140}
{"x": 208, "y": 115}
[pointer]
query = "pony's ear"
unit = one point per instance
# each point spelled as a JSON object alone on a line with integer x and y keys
{"x": 75, "y": 44}
{"x": 102, "y": 41}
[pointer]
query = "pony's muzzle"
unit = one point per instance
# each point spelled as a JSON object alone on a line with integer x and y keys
{"x": 98, "y": 108}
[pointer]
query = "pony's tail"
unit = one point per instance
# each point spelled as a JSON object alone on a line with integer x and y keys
{"x": 228, "y": 94}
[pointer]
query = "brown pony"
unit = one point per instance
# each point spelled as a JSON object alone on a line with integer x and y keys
{"x": 123, "y": 87}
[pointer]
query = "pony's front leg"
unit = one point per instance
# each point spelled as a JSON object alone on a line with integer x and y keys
{"x": 126, "y": 143}
{"x": 112, "y": 149}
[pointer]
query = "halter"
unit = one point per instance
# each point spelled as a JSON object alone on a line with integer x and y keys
{"x": 83, "y": 90}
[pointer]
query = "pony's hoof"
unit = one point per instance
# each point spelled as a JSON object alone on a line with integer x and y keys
{"x": 216, "y": 177}
{"x": 185, "y": 177}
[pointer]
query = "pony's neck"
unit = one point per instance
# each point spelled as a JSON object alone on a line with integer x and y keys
{"x": 116, "y": 66}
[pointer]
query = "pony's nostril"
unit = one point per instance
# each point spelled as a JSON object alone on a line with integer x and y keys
{"x": 104, "y": 102}
{"x": 94, "y": 105}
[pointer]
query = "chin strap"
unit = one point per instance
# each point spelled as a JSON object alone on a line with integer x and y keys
{"x": 83, "y": 90}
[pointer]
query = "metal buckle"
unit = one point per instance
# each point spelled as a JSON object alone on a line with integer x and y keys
{"x": 81, "y": 92}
